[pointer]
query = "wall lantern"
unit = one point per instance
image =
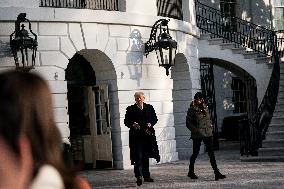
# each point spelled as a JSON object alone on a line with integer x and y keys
{"x": 163, "y": 44}
{"x": 23, "y": 44}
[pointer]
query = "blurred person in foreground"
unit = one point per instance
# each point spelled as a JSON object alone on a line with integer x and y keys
{"x": 26, "y": 118}
{"x": 141, "y": 118}
{"x": 199, "y": 123}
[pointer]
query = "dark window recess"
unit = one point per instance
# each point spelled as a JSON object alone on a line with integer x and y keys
{"x": 239, "y": 97}
{"x": 170, "y": 8}
{"x": 111, "y": 5}
{"x": 228, "y": 11}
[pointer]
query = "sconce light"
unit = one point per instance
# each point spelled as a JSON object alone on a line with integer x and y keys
{"x": 23, "y": 44}
{"x": 163, "y": 44}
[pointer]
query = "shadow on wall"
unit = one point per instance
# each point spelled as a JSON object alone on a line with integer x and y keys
{"x": 134, "y": 57}
{"x": 5, "y": 50}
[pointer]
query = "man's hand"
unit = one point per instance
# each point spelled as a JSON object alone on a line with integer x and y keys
{"x": 136, "y": 126}
{"x": 149, "y": 125}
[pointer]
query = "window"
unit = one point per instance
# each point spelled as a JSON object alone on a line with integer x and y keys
{"x": 239, "y": 95}
{"x": 278, "y": 2}
{"x": 228, "y": 10}
{"x": 170, "y": 8}
{"x": 279, "y": 18}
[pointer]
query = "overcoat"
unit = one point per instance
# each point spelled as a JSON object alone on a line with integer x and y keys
{"x": 198, "y": 121}
{"x": 142, "y": 135}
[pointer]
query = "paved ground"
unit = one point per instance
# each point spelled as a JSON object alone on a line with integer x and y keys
{"x": 243, "y": 175}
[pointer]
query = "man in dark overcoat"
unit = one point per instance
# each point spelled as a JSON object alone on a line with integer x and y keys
{"x": 141, "y": 118}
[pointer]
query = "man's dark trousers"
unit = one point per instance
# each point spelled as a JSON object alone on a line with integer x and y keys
{"x": 141, "y": 165}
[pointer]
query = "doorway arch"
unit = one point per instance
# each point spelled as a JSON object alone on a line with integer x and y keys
{"x": 79, "y": 74}
{"x": 226, "y": 84}
{"x": 91, "y": 83}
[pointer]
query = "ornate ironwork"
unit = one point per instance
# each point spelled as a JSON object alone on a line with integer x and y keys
{"x": 241, "y": 32}
{"x": 262, "y": 40}
{"x": 162, "y": 43}
{"x": 208, "y": 90}
{"x": 111, "y": 5}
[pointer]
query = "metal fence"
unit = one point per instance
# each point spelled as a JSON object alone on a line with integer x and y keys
{"x": 111, "y": 5}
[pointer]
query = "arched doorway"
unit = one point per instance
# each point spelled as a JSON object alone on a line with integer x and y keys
{"x": 89, "y": 119}
{"x": 232, "y": 94}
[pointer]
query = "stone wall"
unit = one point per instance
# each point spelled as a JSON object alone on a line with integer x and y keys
{"x": 113, "y": 43}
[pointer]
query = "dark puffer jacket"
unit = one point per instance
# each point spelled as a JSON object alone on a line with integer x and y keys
{"x": 198, "y": 121}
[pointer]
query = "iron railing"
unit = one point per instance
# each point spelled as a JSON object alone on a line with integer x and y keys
{"x": 257, "y": 38}
{"x": 280, "y": 43}
{"x": 111, "y": 5}
{"x": 235, "y": 30}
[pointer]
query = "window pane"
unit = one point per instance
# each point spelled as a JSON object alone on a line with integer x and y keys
{"x": 278, "y": 2}
{"x": 278, "y": 13}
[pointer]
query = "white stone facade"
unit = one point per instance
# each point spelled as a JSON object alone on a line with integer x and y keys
{"x": 113, "y": 43}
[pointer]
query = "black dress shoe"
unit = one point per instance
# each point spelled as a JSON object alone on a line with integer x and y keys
{"x": 139, "y": 181}
{"x": 192, "y": 175}
{"x": 219, "y": 176}
{"x": 148, "y": 179}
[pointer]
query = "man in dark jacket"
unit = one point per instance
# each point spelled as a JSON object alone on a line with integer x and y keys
{"x": 141, "y": 118}
{"x": 199, "y": 123}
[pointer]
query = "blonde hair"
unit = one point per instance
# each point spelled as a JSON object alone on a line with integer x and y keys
{"x": 139, "y": 93}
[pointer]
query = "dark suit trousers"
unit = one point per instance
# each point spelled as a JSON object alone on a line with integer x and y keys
{"x": 208, "y": 141}
{"x": 141, "y": 165}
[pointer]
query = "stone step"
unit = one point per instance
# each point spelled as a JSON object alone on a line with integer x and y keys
{"x": 262, "y": 60}
{"x": 278, "y": 112}
{"x": 239, "y": 50}
{"x": 281, "y": 89}
{"x": 273, "y": 151}
{"x": 262, "y": 159}
{"x": 277, "y": 120}
{"x": 279, "y": 106}
{"x": 276, "y": 127}
{"x": 215, "y": 41}
{"x": 227, "y": 46}
{"x": 280, "y": 96}
{"x": 205, "y": 36}
{"x": 248, "y": 55}
{"x": 271, "y": 135}
{"x": 273, "y": 143}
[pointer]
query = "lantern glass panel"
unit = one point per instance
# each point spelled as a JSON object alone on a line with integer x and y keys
{"x": 166, "y": 56}
{"x": 25, "y": 57}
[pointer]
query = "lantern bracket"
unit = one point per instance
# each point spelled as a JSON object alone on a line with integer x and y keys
{"x": 162, "y": 25}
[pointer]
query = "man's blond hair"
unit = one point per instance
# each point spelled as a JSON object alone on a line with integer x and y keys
{"x": 139, "y": 93}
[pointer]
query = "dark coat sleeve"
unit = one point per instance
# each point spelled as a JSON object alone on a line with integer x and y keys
{"x": 128, "y": 119}
{"x": 153, "y": 119}
{"x": 191, "y": 122}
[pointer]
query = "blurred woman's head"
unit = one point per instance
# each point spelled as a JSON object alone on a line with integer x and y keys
{"x": 26, "y": 108}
